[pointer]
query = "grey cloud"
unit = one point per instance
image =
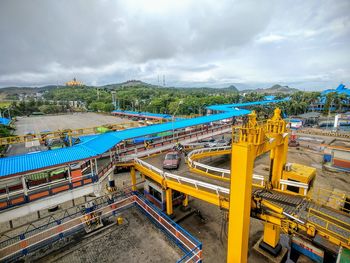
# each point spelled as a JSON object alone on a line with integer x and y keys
{"x": 44, "y": 42}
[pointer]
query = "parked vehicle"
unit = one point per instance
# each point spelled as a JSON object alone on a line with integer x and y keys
{"x": 172, "y": 160}
{"x": 218, "y": 143}
{"x": 207, "y": 140}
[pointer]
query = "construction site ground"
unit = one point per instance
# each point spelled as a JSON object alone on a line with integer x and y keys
{"x": 136, "y": 240}
{"x": 140, "y": 241}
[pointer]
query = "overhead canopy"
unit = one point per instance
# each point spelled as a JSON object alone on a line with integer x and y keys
{"x": 95, "y": 146}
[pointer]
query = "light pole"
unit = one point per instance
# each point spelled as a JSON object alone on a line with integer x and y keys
{"x": 173, "y": 118}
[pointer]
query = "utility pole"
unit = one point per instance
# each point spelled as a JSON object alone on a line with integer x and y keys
{"x": 114, "y": 102}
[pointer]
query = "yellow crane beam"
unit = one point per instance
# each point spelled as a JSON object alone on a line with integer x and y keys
{"x": 212, "y": 198}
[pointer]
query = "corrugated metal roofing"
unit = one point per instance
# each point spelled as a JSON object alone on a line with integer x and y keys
{"x": 143, "y": 114}
{"x": 232, "y": 107}
{"x": 95, "y": 146}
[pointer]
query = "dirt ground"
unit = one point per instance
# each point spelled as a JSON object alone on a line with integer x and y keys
{"x": 137, "y": 240}
{"x": 65, "y": 121}
{"x": 38, "y": 124}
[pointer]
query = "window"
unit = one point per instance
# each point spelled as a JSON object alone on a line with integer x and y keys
{"x": 156, "y": 194}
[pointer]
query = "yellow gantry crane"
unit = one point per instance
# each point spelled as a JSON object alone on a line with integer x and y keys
{"x": 254, "y": 140}
{"x": 279, "y": 207}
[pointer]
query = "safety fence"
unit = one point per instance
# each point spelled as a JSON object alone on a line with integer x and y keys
{"x": 324, "y": 132}
{"x": 127, "y": 152}
{"x": 184, "y": 180}
{"x": 22, "y": 196}
{"x": 215, "y": 172}
{"x": 332, "y": 225}
{"x": 337, "y": 200}
{"x": 30, "y": 241}
{"x": 190, "y": 245}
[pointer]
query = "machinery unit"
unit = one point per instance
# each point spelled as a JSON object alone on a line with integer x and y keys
{"x": 92, "y": 217}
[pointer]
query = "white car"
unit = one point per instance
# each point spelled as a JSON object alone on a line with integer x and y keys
{"x": 218, "y": 143}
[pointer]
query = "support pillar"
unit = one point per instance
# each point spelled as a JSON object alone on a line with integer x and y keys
{"x": 278, "y": 158}
{"x": 271, "y": 239}
{"x": 185, "y": 201}
{"x": 169, "y": 202}
{"x": 133, "y": 178}
{"x": 111, "y": 182}
{"x": 110, "y": 156}
{"x": 242, "y": 162}
{"x": 96, "y": 169}
{"x": 69, "y": 177}
{"x": 25, "y": 188}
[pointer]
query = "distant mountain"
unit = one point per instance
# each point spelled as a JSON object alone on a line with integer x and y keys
{"x": 272, "y": 90}
{"x": 231, "y": 88}
{"x": 129, "y": 83}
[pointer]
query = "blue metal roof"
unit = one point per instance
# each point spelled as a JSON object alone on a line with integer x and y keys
{"x": 95, "y": 146}
{"x": 340, "y": 90}
{"x": 232, "y": 107}
{"x": 5, "y": 121}
{"x": 144, "y": 114}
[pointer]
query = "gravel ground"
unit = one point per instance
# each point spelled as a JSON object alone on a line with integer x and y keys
{"x": 56, "y": 122}
{"x": 137, "y": 240}
{"x": 39, "y": 124}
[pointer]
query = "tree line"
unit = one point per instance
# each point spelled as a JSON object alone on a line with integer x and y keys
{"x": 183, "y": 101}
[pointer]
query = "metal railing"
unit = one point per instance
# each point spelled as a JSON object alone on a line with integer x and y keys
{"x": 334, "y": 226}
{"x": 336, "y": 200}
{"x": 295, "y": 184}
{"x": 215, "y": 172}
{"x": 22, "y": 196}
{"x": 183, "y": 180}
{"x": 136, "y": 151}
{"x": 29, "y": 242}
{"x": 191, "y": 246}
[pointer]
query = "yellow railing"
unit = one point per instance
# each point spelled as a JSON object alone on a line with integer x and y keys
{"x": 336, "y": 224}
{"x": 332, "y": 199}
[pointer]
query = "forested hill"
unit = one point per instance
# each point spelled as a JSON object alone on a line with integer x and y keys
{"x": 275, "y": 89}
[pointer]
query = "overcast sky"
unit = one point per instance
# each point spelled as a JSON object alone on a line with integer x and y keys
{"x": 303, "y": 44}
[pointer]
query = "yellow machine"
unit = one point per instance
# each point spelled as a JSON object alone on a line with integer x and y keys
{"x": 283, "y": 202}
{"x": 253, "y": 141}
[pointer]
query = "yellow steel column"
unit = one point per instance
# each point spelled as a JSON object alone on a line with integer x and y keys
{"x": 279, "y": 157}
{"x": 276, "y": 128}
{"x": 133, "y": 178}
{"x": 169, "y": 201}
{"x": 185, "y": 201}
{"x": 242, "y": 162}
{"x": 271, "y": 234}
